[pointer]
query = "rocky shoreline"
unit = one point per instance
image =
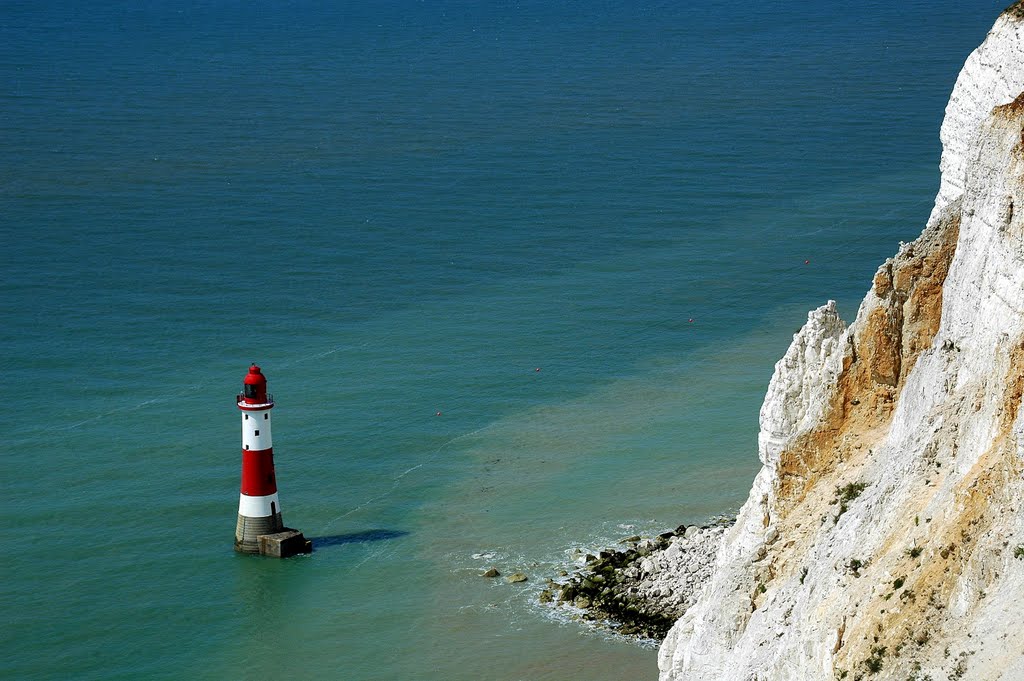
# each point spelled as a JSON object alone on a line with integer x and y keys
{"x": 642, "y": 590}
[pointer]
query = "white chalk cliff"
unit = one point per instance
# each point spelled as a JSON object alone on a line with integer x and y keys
{"x": 884, "y": 536}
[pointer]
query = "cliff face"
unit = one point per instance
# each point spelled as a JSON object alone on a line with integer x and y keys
{"x": 881, "y": 536}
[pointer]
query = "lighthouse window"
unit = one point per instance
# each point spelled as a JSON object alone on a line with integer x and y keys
{"x": 246, "y": 417}
{"x": 250, "y": 390}
{"x": 266, "y": 417}
{"x": 257, "y": 432}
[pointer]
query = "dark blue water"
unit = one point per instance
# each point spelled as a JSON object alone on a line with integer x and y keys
{"x": 400, "y": 209}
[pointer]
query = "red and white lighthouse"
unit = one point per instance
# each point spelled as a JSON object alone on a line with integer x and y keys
{"x": 259, "y": 509}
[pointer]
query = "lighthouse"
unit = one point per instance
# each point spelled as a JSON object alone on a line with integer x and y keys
{"x": 260, "y": 528}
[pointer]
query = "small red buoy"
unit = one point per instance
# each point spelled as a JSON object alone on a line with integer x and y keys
{"x": 537, "y": 369}
{"x": 807, "y": 262}
{"x": 437, "y": 414}
{"x": 691, "y": 320}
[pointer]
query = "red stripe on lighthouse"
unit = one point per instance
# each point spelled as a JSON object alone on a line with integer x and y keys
{"x": 258, "y": 473}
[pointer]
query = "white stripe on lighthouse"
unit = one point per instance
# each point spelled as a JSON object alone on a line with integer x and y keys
{"x": 256, "y": 430}
{"x": 258, "y": 507}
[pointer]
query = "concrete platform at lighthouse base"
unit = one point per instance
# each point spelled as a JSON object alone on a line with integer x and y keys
{"x": 284, "y": 544}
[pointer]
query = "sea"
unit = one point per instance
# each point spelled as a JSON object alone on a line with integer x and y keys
{"x": 518, "y": 273}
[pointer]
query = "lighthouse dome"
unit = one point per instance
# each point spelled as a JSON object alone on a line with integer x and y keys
{"x": 254, "y": 386}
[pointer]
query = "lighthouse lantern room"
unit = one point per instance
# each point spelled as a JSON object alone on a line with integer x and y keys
{"x": 260, "y": 528}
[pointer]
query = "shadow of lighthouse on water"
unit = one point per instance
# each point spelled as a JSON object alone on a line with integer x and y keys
{"x": 362, "y": 537}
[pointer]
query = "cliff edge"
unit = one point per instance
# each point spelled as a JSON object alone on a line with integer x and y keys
{"x": 883, "y": 537}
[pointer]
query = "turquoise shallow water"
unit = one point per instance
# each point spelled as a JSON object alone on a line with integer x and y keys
{"x": 398, "y": 210}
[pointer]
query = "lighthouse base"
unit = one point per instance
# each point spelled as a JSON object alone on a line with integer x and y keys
{"x": 284, "y": 544}
{"x": 248, "y": 531}
{"x": 269, "y": 537}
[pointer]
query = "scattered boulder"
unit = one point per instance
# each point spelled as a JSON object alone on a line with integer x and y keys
{"x": 491, "y": 573}
{"x": 516, "y": 578}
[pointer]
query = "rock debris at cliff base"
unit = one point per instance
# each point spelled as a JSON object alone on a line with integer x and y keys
{"x": 642, "y": 590}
